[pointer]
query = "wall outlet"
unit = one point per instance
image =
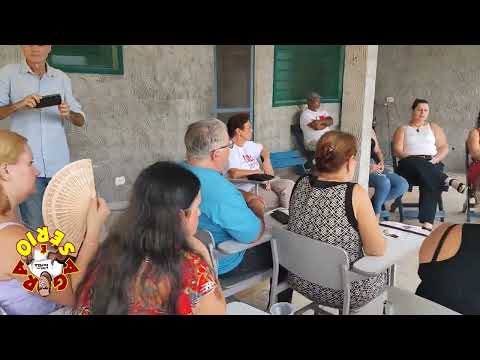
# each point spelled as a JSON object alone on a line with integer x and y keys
{"x": 120, "y": 180}
{"x": 390, "y": 99}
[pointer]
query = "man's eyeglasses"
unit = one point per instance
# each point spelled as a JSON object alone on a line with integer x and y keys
{"x": 229, "y": 145}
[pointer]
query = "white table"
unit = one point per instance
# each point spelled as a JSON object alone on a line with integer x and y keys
{"x": 65, "y": 310}
{"x": 396, "y": 248}
{"x": 239, "y": 308}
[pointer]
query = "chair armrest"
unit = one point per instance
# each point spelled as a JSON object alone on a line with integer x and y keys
{"x": 396, "y": 249}
{"x": 232, "y": 247}
{"x": 285, "y": 210}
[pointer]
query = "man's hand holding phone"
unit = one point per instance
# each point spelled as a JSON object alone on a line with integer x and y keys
{"x": 29, "y": 102}
{"x": 64, "y": 110}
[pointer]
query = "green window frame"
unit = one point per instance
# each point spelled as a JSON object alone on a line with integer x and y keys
{"x": 300, "y": 69}
{"x": 87, "y": 59}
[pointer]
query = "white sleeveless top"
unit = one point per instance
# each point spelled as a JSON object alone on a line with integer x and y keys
{"x": 14, "y": 300}
{"x": 421, "y": 142}
{"x": 6, "y": 224}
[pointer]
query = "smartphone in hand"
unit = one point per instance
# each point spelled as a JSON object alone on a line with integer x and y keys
{"x": 49, "y": 100}
{"x": 280, "y": 216}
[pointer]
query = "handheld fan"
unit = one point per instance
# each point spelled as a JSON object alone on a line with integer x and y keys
{"x": 66, "y": 201}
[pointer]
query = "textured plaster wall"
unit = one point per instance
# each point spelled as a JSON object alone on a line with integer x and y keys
{"x": 140, "y": 117}
{"x": 446, "y": 75}
{"x": 272, "y": 124}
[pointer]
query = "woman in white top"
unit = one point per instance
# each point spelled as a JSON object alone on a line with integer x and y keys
{"x": 421, "y": 146}
{"x": 243, "y": 161}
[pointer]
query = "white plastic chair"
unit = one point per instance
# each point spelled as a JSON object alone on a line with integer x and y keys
{"x": 206, "y": 238}
{"x": 315, "y": 261}
{"x": 327, "y": 265}
{"x": 242, "y": 282}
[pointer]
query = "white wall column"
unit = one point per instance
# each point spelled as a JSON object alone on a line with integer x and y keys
{"x": 358, "y": 100}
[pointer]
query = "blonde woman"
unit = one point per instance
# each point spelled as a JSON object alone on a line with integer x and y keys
{"x": 17, "y": 183}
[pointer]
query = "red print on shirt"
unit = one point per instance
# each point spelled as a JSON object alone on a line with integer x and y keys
{"x": 248, "y": 158}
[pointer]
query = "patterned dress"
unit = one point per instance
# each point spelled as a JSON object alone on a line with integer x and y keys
{"x": 146, "y": 292}
{"x": 323, "y": 210}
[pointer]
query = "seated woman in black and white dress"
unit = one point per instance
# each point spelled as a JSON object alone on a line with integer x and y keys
{"x": 327, "y": 206}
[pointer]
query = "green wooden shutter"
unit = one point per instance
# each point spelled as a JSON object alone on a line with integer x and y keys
{"x": 90, "y": 59}
{"x": 300, "y": 69}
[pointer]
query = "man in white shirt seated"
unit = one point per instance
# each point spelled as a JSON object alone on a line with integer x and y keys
{"x": 243, "y": 161}
{"x": 313, "y": 122}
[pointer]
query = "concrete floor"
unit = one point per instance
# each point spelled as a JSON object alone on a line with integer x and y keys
{"x": 407, "y": 277}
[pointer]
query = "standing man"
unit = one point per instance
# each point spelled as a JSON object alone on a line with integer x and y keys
{"x": 21, "y": 88}
{"x": 313, "y": 122}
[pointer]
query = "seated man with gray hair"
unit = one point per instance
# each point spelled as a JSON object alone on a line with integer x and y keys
{"x": 225, "y": 212}
{"x": 313, "y": 122}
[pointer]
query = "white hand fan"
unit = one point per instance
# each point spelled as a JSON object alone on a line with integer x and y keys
{"x": 66, "y": 201}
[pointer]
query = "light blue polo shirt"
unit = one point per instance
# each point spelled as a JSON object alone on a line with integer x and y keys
{"x": 225, "y": 214}
{"x": 43, "y": 128}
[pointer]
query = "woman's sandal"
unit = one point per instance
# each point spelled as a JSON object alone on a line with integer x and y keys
{"x": 461, "y": 187}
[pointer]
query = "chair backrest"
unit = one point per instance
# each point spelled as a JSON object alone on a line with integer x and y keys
{"x": 298, "y": 114}
{"x": 312, "y": 260}
{"x": 395, "y": 165}
{"x": 297, "y": 133}
{"x": 394, "y": 158}
{"x": 206, "y": 238}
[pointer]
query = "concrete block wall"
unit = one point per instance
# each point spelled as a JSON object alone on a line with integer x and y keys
{"x": 272, "y": 124}
{"x": 140, "y": 117}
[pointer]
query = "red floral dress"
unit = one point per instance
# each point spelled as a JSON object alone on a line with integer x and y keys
{"x": 197, "y": 281}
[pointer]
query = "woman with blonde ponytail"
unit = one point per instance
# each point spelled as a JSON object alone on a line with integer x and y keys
{"x": 17, "y": 183}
